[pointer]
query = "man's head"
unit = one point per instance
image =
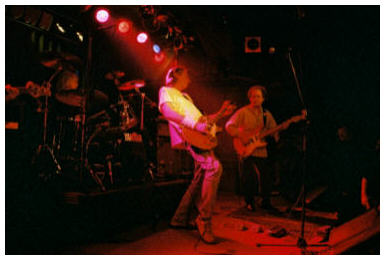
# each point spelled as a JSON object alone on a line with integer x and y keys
{"x": 256, "y": 95}
{"x": 177, "y": 77}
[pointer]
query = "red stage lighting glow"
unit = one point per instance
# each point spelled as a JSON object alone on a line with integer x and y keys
{"x": 142, "y": 37}
{"x": 124, "y": 26}
{"x": 102, "y": 15}
{"x": 159, "y": 57}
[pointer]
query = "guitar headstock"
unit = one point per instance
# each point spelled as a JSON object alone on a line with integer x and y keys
{"x": 300, "y": 117}
{"x": 227, "y": 108}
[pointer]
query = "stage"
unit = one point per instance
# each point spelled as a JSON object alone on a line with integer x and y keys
{"x": 134, "y": 220}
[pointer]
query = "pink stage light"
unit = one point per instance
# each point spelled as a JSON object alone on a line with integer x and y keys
{"x": 124, "y": 26}
{"x": 142, "y": 37}
{"x": 102, "y": 15}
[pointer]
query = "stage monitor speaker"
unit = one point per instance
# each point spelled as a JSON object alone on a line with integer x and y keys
{"x": 355, "y": 232}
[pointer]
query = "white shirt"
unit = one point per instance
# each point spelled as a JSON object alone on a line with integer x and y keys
{"x": 184, "y": 106}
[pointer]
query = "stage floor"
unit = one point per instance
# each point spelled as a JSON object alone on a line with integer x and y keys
{"x": 135, "y": 220}
{"x": 239, "y": 231}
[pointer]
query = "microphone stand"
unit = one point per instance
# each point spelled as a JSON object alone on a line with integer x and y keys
{"x": 85, "y": 91}
{"x": 143, "y": 96}
{"x": 301, "y": 243}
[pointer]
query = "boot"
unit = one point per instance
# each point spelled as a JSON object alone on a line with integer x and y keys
{"x": 205, "y": 230}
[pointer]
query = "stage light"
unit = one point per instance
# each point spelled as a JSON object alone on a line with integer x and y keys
{"x": 46, "y": 20}
{"x": 80, "y": 36}
{"x": 32, "y": 15}
{"x": 60, "y": 28}
{"x": 156, "y": 48}
{"x": 142, "y": 37}
{"x": 271, "y": 50}
{"x": 159, "y": 57}
{"x": 17, "y": 11}
{"x": 124, "y": 26}
{"x": 253, "y": 44}
{"x": 102, "y": 15}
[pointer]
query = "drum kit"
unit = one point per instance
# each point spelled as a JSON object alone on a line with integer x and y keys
{"x": 78, "y": 129}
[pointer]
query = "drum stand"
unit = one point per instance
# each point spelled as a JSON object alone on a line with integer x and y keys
{"x": 149, "y": 166}
{"x": 45, "y": 147}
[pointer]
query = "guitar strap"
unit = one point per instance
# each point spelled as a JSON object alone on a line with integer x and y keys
{"x": 264, "y": 117}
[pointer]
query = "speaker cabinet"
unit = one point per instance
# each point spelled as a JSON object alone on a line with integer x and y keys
{"x": 171, "y": 162}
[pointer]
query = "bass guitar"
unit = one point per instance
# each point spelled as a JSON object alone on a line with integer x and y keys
{"x": 245, "y": 146}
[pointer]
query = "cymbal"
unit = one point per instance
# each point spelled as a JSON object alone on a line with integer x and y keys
{"x": 133, "y": 84}
{"x": 74, "y": 99}
{"x": 71, "y": 58}
{"x": 55, "y": 60}
{"x": 49, "y": 59}
{"x": 116, "y": 74}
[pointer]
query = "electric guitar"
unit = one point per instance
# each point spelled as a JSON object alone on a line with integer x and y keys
{"x": 246, "y": 145}
{"x": 207, "y": 141}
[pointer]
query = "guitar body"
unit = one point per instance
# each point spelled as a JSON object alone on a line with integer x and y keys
{"x": 201, "y": 140}
{"x": 207, "y": 141}
{"x": 245, "y": 150}
{"x": 246, "y": 146}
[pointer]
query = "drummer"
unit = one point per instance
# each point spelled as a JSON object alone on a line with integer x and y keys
{"x": 67, "y": 92}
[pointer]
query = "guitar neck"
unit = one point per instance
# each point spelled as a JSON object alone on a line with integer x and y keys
{"x": 281, "y": 127}
{"x": 271, "y": 131}
{"x": 218, "y": 116}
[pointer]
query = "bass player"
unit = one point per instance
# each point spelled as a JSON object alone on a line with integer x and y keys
{"x": 256, "y": 175}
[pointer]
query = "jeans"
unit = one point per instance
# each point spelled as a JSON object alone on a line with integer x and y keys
{"x": 256, "y": 179}
{"x": 202, "y": 190}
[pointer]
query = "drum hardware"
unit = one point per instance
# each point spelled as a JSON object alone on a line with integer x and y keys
{"x": 67, "y": 125}
{"x": 45, "y": 147}
{"x": 131, "y": 85}
{"x": 127, "y": 116}
{"x": 94, "y": 176}
{"x": 109, "y": 164}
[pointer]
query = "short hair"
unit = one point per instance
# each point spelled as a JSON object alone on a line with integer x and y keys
{"x": 257, "y": 87}
{"x": 173, "y": 75}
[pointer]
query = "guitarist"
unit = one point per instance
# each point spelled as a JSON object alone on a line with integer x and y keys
{"x": 256, "y": 175}
{"x": 178, "y": 108}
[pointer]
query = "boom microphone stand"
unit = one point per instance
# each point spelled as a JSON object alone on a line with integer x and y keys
{"x": 301, "y": 243}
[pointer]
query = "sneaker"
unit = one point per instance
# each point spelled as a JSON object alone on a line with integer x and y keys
{"x": 251, "y": 207}
{"x": 205, "y": 231}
